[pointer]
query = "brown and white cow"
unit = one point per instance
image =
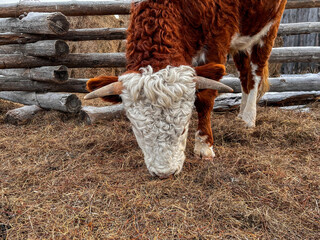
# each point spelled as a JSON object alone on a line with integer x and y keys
{"x": 170, "y": 44}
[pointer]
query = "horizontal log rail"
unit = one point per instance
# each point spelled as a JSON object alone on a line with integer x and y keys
{"x": 74, "y": 60}
{"x": 295, "y": 54}
{"x": 72, "y": 35}
{"x": 65, "y": 102}
{"x": 53, "y": 74}
{"x": 48, "y": 48}
{"x": 73, "y": 8}
{"x": 224, "y": 102}
{"x": 286, "y": 83}
{"x": 37, "y": 23}
{"x": 68, "y": 8}
{"x": 231, "y": 101}
{"x": 298, "y": 28}
{"x": 292, "y": 4}
{"x": 100, "y": 60}
{"x": 22, "y": 84}
{"x": 120, "y": 33}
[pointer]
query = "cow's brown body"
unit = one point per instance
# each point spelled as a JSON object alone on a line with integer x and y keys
{"x": 173, "y": 32}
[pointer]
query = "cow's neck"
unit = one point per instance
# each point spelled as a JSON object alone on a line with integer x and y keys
{"x": 155, "y": 36}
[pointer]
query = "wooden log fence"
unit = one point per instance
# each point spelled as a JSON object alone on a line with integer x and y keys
{"x": 21, "y": 84}
{"x": 292, "y": 4}
{"x": 34, "y": 59}
{"x": 64, "y": 102}
{"x": 54, "y": 74}
{"x": 68, "y": 8}
{"x": 50, "y": 48}
{"x": 91, "y": 115}
{"x": 74, "y": 60}
{"x": 38, "y": 23}
{"x": 72, "y": 8}
{"x": 287, "y": 83}
{"x": 100, "y": 60}
{"x": 224, "y": 102}
{"x": 231, "y": 101}
{"x": 296, "y": 28}
{"x": 21, "y": 115}
{"x": 72, "y": 35}
{"x": 120, "y": 34}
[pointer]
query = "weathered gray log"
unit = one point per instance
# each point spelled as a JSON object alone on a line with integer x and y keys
{"x": 230, "y": 101}
{"x": 79, "y": 60}
{"x": 68, "y": 8}
{"x": 49, "y": 48}
{"x": 295, "y": 54}
{"x": 297, "y": 108}
{"x": 55, "y": 74}
{"x": 77, "y": 8}
{"x": 91, "y": 115}
{"x": 298, "y": 28}
{"x": 285, "y": 83}
{"x": 312, "y": 39}
{"x": 72, "y": 35}
{"x": 20, "y": 84}
{"x": 22, "y": 115}
{"x": 291, "y": 4}
{"x": 99, "y": 60}
{"x": 64, "y": 102}
{"x": 36, "y": 23}
{"x": 120, "y": 33}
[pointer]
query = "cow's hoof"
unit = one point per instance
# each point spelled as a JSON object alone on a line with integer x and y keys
{"x": 202, "y": 149}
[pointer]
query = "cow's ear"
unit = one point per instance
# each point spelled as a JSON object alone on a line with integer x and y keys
{"x": 211, "y": 70}
{"x": 98, "y": 82}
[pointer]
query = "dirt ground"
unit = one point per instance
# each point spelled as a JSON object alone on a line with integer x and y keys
{"x": 62, "y": 179}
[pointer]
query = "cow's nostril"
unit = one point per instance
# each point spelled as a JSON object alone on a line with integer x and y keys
{"x": 164, "y": 176}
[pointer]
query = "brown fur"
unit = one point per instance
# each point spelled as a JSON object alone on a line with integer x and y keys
{"x": 211, "y": 70}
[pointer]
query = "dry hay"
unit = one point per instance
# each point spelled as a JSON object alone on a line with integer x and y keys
{"x": 61, "y": 179}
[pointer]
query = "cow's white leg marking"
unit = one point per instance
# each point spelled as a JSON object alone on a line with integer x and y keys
{"x": 250, "y": 111}
{"x": 248, "y": 108}
{"x": 243, "y": 104}
{"x": 202, "y": 148}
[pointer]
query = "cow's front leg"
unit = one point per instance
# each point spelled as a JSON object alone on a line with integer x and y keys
{"x": 203, "y": 138}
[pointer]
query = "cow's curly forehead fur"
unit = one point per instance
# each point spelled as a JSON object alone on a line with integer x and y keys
{"x": 159, "y": 106}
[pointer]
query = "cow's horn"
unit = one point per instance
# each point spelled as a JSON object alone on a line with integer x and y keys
{"x": 111, "y": 89}
{"x": 205, "y": 83}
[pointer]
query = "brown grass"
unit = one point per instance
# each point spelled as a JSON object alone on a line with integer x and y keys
{"x": 61, "y": 179}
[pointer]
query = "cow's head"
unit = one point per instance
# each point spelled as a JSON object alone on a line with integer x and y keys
{"x": 159, "y": 106}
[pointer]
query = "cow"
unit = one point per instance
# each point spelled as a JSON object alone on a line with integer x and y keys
{"x": 176, "y": 54}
